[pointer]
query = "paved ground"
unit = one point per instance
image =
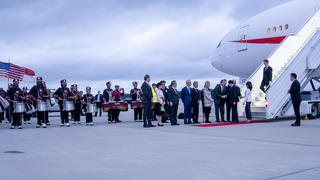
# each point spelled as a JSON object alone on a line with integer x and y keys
{"x": 126, "y": 151}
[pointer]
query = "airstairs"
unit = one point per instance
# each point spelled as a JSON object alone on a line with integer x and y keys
{"x": 299, "y": 53}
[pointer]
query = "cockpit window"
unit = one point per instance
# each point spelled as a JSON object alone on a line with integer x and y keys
{"x": 286, "y": 26}
{"x": 219, "y": 44}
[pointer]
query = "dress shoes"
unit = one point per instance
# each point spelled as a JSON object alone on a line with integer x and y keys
{"x": 295, "y": 124}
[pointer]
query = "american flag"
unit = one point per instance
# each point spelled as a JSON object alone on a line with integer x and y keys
{"x": 12, "y": 71}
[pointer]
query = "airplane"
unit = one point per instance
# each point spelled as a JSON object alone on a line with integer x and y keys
{"x": 244, "y": 48}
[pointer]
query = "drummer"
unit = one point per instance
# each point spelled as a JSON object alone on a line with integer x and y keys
{"x": 107, "y": 96}
{"x": 39, "y": 94}
{"x": 14, "y": 95}
{"x": 8, "y": 110}
{"x": 88, "y": 98}
{"x": 63, "y": 94}
{"x": 136, "y": 95}
{"x": 28, "y": 104}
{"x": 46, "y": 117}
{"x": 116, "y": 96}
{"x": 77, "y": 104}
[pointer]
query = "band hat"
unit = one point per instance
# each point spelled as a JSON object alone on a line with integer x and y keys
{"x": 39, "y": 78}
{"x": 88, "y": 88}
{"x": 63, "y": 81}
{"x": 134, "y": 83}
{"x": 15, "y": 80}
{"x": 25, "y": 88}
{"x": 109, "y": 82}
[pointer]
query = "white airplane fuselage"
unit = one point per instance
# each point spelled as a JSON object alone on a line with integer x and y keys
{"x": 243, "y": 49}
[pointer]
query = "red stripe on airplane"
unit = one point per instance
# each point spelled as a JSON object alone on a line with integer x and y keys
{"x": 272, "y": 40}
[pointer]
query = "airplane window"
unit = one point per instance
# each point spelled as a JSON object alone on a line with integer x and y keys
{"x": 274, "y": 29}
{"x": 219, "y": 44}
{"x": 287, "y": 26}
{"x": 280, "y": 28}
{"x": 269, "y": 30}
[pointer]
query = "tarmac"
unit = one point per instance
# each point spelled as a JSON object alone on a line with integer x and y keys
{"x": 126, "y": 151}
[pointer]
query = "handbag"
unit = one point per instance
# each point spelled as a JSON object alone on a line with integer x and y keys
{"x": 162, "y": 109}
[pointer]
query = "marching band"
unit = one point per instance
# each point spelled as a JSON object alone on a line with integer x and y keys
{"x": 20, "y": 105}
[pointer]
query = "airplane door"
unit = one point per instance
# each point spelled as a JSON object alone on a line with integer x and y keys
{"x": 243, "y": 35}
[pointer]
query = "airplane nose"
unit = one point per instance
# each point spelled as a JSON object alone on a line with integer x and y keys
{"x": 216, "y": 62}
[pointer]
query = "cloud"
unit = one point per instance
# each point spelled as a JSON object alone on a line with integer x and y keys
{"x": 85, "y": 41}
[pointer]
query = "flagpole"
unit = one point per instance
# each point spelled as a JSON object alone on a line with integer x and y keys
{"x": 9, "y": 64}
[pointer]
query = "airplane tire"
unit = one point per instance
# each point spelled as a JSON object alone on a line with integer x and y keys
{"x": 314, "y": 112}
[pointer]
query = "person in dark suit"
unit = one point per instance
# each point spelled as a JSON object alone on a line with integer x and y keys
{"x": 99, "y": 100}
{"x": 267, "y": 76}
{"x": 186, "y": 99}
{"x": 220, "y": 95}
{"x": 295, "y": 98}
{"x": 173, "y": 99}
{"x": 147, "y": 102}
{"x": 234, "y": 99}
{"x": 195, "y": 100}
{"x": 228, "y": 104}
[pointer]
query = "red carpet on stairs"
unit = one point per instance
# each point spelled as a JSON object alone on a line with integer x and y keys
{"x": 225, "y": 124}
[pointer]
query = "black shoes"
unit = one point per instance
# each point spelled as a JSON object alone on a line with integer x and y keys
{"x": 175, "y": 124}
{"x": 160, "y": 124}
{"x": 208, "y": 122}
{"x": 295, "y": 124}
{"x": 152, "y": 125}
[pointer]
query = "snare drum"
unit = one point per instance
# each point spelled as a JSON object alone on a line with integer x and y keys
{"x": 91, "y": 108}
{"x": 42, "y": 106}
{"x": 108, "y": 106}
{"x": 122, "y": 106}
{"x": 136, "y": 104}
{"x": 68, "y": 106}
{"x": 19, "y": 108}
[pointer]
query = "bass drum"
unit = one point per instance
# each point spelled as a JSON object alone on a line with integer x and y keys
{"x": 108, "y": 106}
{"x": 136, "y": 104}
{"x": 68, "y": 106}
{"x": 91, "y": 108}
{"x": 19, "y": 108}
{"x": 122, "y": 106}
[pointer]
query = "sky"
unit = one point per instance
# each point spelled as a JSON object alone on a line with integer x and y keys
{"x": 92, "y": 42}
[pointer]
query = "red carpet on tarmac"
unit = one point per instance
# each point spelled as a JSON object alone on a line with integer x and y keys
{"x": 225, "y": 124}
